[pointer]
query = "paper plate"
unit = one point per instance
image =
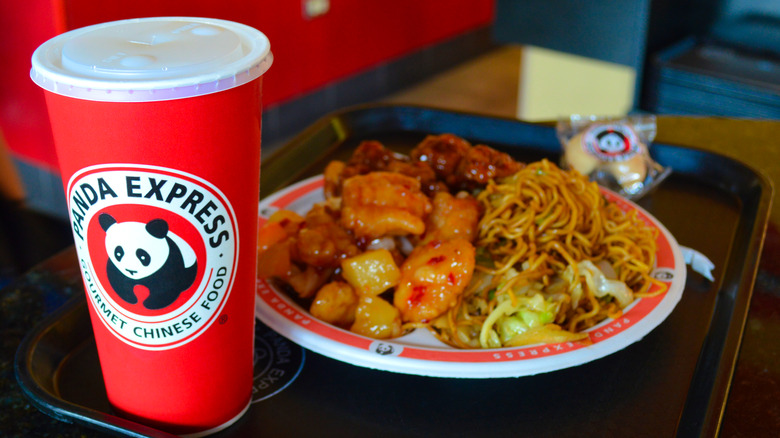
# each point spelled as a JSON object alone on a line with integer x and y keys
{"x": 420, "y": 353}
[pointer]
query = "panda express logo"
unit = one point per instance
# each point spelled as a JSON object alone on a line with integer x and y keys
{"x": 611, "y": 142}
{"x": 158, "y": 250}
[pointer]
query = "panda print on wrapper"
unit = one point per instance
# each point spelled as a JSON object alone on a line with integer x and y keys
{"x": 148, "y": 255}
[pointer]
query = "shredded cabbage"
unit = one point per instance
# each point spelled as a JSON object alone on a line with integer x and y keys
{"x": 599, "y": 284}
{"x": 510, "y": 319}
{"x": 527, "y": 315}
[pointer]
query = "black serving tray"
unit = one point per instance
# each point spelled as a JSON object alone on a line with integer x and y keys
{"x": 674, "y": 382}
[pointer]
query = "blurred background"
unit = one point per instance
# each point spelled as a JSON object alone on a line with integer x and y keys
{"x": 529, "y": 59}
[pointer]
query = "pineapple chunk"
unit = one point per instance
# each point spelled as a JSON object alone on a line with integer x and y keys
{"x": 371, "y": 272}
{"x": 376, "y": 318}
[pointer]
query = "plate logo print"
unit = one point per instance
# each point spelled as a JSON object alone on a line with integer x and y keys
{"x": 158, "y": 249}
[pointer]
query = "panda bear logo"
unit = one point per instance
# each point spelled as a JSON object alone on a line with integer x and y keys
{"x": 149, "y": 255}
{"x": 612, "y": 142}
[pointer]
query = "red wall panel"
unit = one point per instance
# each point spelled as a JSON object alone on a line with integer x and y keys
{"x": 23, "y": 117}
{"x": 354, "y": 35}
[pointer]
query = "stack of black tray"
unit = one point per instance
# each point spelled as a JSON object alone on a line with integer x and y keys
{"x": 710, "y": 77}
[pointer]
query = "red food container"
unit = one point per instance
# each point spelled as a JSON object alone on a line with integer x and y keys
{"x": 157, "y": 127}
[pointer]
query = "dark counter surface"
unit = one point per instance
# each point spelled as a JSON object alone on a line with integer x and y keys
{"x": 28, "y": 238}
{"x": 753, "y": 407}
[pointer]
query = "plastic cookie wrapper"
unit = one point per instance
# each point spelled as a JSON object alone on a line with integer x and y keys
{"x": 614, "y": 152}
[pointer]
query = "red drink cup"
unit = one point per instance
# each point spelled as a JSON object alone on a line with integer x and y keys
{"x": 156, "y": 124}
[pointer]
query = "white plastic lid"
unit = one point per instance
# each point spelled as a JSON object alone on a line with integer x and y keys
{"x": 151, "y": 59}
